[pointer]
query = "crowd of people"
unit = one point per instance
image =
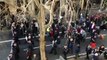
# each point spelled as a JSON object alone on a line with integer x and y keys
{"x": 91, "y": 26}
{"x": 76, "y": 35}
{"x": 29, "y": 30}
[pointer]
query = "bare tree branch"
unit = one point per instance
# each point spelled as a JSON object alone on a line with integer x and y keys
{"x": 47, "y": 7}
{"x": 51, "y": 13}
{"x": 37, "y": 3}
{"x": 28, "y": 4}
{"x": 48, "y": 2}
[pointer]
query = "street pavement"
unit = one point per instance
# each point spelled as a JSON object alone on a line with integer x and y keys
{"x": 5, "y": 48}
{"x": 5, "y": 35}
{"x": 83, "y": 58}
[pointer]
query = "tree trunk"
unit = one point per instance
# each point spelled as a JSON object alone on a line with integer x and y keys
{"x": 101, "y": 4}
{"x": 31, "y": 8}
{"x": 60, "y": 11}
{"x": 42, "y": 33}
{"x": 66, "y": 13}
{"x": 87, "y": 5}
{"x": 82, "y": 4}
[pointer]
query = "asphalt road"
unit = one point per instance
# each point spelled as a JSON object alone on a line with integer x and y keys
{"x": 5, "y": 48}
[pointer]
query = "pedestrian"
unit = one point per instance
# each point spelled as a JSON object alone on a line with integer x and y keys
{"x": 51, "y": 34}
{"x": 84, "y": 34}
{"x": 87, "y": 23}
{"x": 27, "y": 24}
{"x": 30, "y": 38}
{"x": 63, "y": 31}
{"x": 30, "y": 45}
{"x": 101, "y": 36}
{"x": 54, "y": 48}
{"x": 56, "y": 33}
{"x": 65, "y": 52}
{"x": 30, "y": 51}
{"x": 78, "y": 38}
{"x": 70, "y": 45}
{"x": 16, "y": 37}
{"x": 77, "y": 50}
{"x": 96, "y": 54}
{"x": 88, "y": 51}
{"x": 34, "y": 57}
{"x": 101, "y": 49}
{"x": 22, "y": 28}
{"x": 15, "y": 51}
{"x": 29, "y": 54}
{"x": 93, "y": 44}
{"x": 91, "y": 27}
{"x": 58, "y": 40}
{"x": 34, "y": 28}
